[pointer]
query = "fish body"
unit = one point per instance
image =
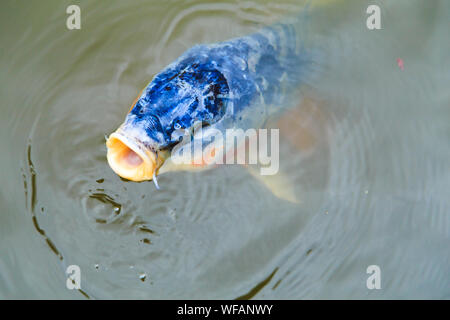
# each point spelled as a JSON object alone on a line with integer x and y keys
{"x": 238, "y": 83}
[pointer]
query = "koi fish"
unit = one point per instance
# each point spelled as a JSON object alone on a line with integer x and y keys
{"x": 240, "y": 84}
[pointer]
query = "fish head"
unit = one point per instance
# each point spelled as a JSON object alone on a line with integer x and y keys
{"x": 175, "y": 102}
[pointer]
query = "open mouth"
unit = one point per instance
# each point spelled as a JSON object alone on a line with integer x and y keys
{"x": 129, "y": 158}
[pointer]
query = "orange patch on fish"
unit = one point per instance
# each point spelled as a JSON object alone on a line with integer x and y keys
{"x": 207, "y": 159}
{"x": 299, "y": 125}
{"x": 136, "y": 100}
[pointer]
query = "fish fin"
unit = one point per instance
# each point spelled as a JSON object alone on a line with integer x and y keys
{"x": 279, "y": 184}
{"x": 301, "y": 129}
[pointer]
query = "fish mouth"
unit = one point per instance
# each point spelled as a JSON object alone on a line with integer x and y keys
{"x": 130, "y": 159}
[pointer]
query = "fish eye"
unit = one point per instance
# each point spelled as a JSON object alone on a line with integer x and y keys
{"x": 177, "y": 125}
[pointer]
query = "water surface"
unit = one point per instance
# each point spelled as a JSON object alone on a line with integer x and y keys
{"x": 368, "y": 154}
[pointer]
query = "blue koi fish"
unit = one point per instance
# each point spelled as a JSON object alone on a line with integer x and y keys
{"x": 240, "y": 83}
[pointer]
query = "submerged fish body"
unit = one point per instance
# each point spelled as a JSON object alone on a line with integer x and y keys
{"x": 238, "y": 83}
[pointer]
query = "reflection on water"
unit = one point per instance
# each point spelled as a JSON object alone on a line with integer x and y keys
{"x": 367, "y": 152}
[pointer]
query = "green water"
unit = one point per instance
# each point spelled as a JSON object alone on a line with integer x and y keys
{"x": 371, "y": 166}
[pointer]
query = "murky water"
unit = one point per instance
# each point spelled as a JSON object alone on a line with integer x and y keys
{"x": 368, "y": 154}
